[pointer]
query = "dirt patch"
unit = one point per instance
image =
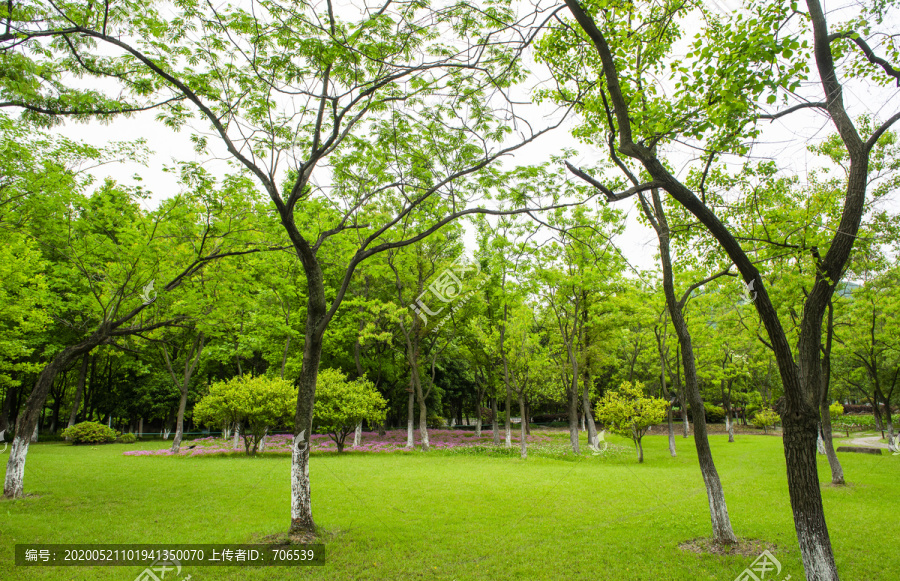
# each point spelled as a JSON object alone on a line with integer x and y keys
{"x": 744, "y": 547}
{"x": 288, "y": 539}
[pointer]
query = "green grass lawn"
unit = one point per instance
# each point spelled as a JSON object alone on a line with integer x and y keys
{"x": 446, "y": 515}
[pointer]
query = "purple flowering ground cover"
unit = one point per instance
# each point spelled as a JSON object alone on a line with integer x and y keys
{"x": 392, "y": 441}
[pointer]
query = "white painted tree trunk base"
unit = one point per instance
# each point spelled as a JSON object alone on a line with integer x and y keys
{"x": 13, "y": 486}
{"x": 301, "y": 504}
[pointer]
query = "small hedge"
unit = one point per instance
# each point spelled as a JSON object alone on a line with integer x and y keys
{"x": 127, "y": 439}
{"x": 90, "y": 433}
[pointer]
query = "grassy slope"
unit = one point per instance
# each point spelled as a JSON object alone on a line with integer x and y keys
{"x": 441, "y": 516}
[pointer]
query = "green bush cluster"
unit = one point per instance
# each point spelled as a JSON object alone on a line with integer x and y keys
{"x": 127, "y": 439}
{"x": 714, "y": 414}
{"x": 90, "y": 433}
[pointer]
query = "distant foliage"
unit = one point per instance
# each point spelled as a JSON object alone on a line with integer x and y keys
{"x": 127, "y": 439}
{"x": 90, "y": 433}
{"x": 714, "y": 413}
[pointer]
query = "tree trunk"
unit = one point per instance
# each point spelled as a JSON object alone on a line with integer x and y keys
{"x": 301, "y": 504}
{"x": 184, "y": 384}
{"x": 494, "y": 425}
{"x": 237, "y": 435}
{"x": 357, "y": 435}
{"x": 589, "y": 416}
{"x": 718, "y": 510}
{"x": 671, "y": 432}
{"x": 524, "y": 437}
{"x": 27, "y": 421}
{"x": 140, "y": 426}
{"x": 508, "y": 423}
{"x": 410, "y": 418}
{"x": 478, "y": 417}
{"x": 423, "y": 421}
{"x": 7, "y": 406}
{"x": 573, "y": 420}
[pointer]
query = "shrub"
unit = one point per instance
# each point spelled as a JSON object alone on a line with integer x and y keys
{"x": 714, "y": 414}
{"x": 436, "y": 421}
{"x": 258, "y": 403}
{"x": 765, "y": 418}
{"x": 835, "y": 410}
{"x": 89, "y": 433}
{"x": 628, "y": 412}
{"x": 127, "y": 439}
{"x": 341, "y": 404}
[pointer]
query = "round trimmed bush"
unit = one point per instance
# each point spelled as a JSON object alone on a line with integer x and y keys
{"x": 89, "y": 433}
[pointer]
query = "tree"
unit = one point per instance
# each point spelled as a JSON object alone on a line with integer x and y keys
{"x": 340, "y": 79}
{"x": 720, "y": 109}
{"x": 628, "y": 412}
{"x": 765, "y": 418}
{"x": 341, "y": 405}
{"x": 258, "y": 403}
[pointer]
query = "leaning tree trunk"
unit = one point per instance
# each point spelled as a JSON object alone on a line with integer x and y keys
{"x": 718, "y": 510}
{"x": 27, "y": 421}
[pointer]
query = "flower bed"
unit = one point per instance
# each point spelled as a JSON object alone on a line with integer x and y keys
{"x": 392, "y": 441}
